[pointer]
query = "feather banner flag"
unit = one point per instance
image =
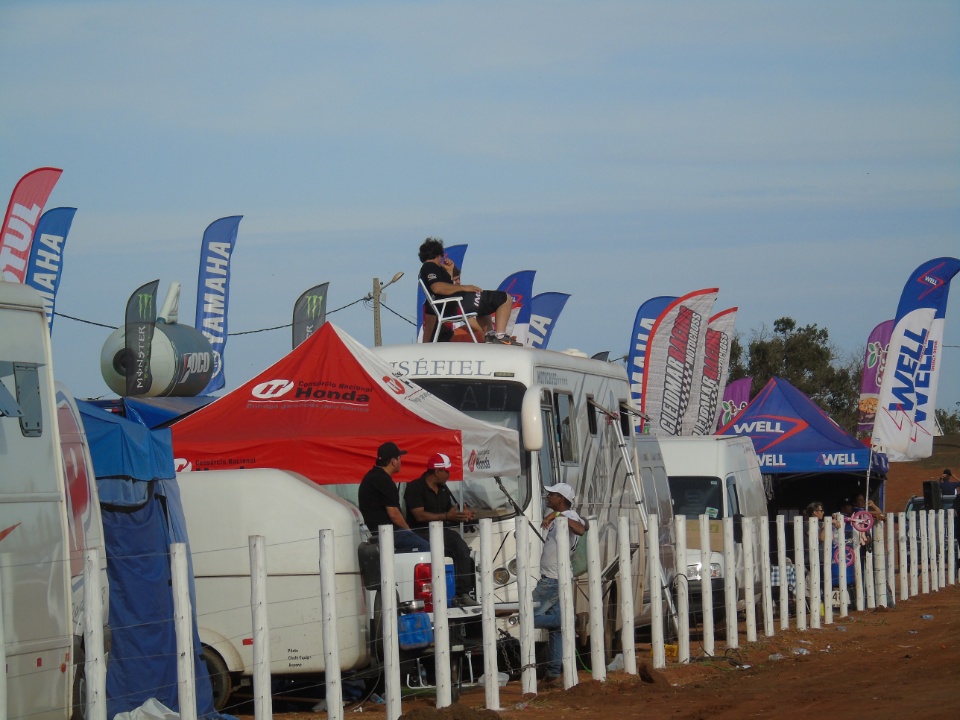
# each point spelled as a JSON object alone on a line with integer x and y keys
{"x": 874, "y": 363}
{"x": 545, "y": 309}
{"x": 701, "y": 415}
{"x": 669, "y": 379}
{"x": 139, "y": 325}
{"x": 905, "y": 419}
{"x": 519, "y": 286}
{"x": 736, "y": 397}
{"x": 457, "y": 253}
{"x": 309, "y": 312}
{"x": 24, "y": 210}
{"x": 643, "y": 323}
{"x": 45, "y": 265}
{"x": 213, "y": 290}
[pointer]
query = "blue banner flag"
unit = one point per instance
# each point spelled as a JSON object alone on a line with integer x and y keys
{"x": 213, "y": 290}
{"x": 519, "y": 286}
{"x": 637, "y": 356}
{"x": 456, "y": 253}
{"x": 46, "y": 257}
{"x": 545, "y": 308}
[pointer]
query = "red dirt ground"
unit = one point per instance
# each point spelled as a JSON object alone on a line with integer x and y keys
{"x": 879, "y": 664}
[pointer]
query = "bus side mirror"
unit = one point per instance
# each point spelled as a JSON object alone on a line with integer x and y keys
{"x": 531, "y": 424}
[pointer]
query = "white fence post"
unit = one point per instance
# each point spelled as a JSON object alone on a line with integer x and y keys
{"x": 841, "y": 553}
{"x": 388, "y": 616}
{"x": 858, "y": 573}
{"x": 782, "y": 573}
{"x": 813, "y": 540}
{"x": 263, "y": 702}
{"x": 932, "y": 544}
{"x": 749, "y": 579}
{"x": 904, "y": 562}
{"x": 952, "y": 549}
{"x": 880, "y": 562}
{"x": 441, "y": 626}
{"x": 706, "y": 588}
{"x": 730, "y": 582}
{"x": 627, "y": 637}
{"x": 656, "y": 592}
{"x": 924, "y": 552}
{"x": 528, "y": 673}
{"x": 913, "y": 538}
{"x": 891, "y": 562}
{"x": 183, "y": 625}
{"x": 328, "y": 610}
{"x": 95, "y": 667}
{"x": 941, "y": 549}
{"x": 595, "y": 595}
{"x": 767, "y": 589}
{"x": 827, "y": 566}
{"x": 567, "y": 628}
{"x": 801, "y": 571}
{"x": 683, "y": 597}
{"x": 488, "y": 620}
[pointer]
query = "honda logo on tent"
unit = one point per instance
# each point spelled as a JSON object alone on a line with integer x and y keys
{"x": 272, "y": 389}
{"x": 393, "y": 384}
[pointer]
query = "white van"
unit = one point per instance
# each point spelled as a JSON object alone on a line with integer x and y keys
{"x": 718, "y": 476}
{"x": 35, "y": 589}
{"x": 576, "y": 426}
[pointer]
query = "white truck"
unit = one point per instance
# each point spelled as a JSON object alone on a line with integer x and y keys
{"x": 223, "y": 508}
{"x": 718, "y": 476}
{"x": 35, "y": 579}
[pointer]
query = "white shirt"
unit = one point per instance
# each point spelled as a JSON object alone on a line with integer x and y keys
{"x": 549, "y": 567}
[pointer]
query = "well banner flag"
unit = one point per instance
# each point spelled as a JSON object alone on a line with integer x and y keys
{"x": 701, "y": 415}
{"x": 455, "y": 253}
{"x": 45, "y": 265}
{"x": 213, "y": 290}
{"x": 874, "y": 363}
{"x": 545, "y": 309}
{"x": 643, "y": 323}
{"x": 139, "y": 325}
{"x": 309, "y": 312}
{"x": 736, "y": 397}
{"x": 24, "y": 210}
{"x": 670, "y": 376}
{"x": 905, "y": 419}
{"x": 519, "y": 286}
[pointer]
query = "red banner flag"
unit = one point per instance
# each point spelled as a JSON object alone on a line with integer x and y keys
{"x": 23, "y": 212}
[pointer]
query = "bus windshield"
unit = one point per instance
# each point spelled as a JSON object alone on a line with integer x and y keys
{"x": 496, "y": 402}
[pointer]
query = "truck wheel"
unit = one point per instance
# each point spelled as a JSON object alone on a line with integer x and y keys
{"x": 220, "y": 680}
{"x": 79, "y": 686}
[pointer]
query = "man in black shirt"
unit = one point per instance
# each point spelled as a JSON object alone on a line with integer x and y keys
{"x": 428, "y": 499}
{"x": 379, "y": 500}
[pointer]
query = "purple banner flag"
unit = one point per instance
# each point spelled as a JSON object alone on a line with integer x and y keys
{"x": 519, "y": 286}
{"x": 905, "y": 419}
{"x": 457, "y": 253}
{"x": 45, "y": 266}
{"x": 545, "y": 308}
{"x": 713, "y": 371}
{"x": 643, "y": 324}
{"x": 874, "y": 363}
{"x": 736, "y": 396}
{"x": 213, "y": 290}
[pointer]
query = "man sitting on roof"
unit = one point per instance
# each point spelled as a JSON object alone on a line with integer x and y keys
{"x": 436, "y": 274}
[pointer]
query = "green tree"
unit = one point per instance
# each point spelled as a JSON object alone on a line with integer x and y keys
{"x": 804, "y": 357}
{"x": 949, "y": 422}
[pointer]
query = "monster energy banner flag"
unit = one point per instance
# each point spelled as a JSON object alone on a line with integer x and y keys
{"x": 140, "y": 322}
{"x": 309, "y": 312}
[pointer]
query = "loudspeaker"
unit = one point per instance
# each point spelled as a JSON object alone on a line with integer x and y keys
{"x": 932, "y": 495}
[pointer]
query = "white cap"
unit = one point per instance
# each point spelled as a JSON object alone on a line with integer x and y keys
{"x": 561, "y": 489}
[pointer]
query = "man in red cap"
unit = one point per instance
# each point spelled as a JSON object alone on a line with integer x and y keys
{"x": 428, "y": 499}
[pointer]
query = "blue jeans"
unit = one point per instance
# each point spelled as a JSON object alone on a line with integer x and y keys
{"x": 547, "y": 616}
{"x": 407, "y": 540}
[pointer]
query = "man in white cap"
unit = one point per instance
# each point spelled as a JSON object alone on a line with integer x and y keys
{"x": 428, "y": 499}
{"x": 559, "y": 501}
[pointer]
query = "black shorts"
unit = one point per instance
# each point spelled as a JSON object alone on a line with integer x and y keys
{"x": 482, "y": 303}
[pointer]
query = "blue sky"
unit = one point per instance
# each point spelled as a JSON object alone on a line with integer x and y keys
{"x": 804, "y": 157}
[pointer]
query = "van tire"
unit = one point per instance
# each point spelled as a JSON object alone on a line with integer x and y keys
{"x": 220, "y": 681}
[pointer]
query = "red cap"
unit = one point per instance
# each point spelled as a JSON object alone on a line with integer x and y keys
{"x": 439, "y": 461}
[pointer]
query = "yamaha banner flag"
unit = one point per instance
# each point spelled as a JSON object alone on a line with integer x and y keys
{"x": 213, "y": 290}
{"x": 309, "y": 312}
{"x": 46, "y": 257}
{"x": 643, "y": 324}
{"x": 905, "y": 419}
{"x": 139, "y": 324}
{"x": 519, "y": 286}
{"x": 545, "y": 308}
{"x": 26, "y": 204}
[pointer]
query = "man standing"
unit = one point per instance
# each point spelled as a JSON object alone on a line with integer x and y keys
{"x": 559, "y": 500}
{"x": 379, "y": 500}
{"x": 429, "y": 499}
{"x": 948, "y": 486}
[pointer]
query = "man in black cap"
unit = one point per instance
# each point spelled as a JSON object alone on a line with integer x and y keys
{"x": 379, "y": 500}
{"x": 948, "y": 486}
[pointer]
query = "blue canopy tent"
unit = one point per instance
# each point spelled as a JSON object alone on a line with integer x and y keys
{"x": 154, "y": 412}
{"x": 142, "y": 516}
{"x": 808, "y": 455}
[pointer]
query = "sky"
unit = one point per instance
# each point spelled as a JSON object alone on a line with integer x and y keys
{"x": 803, "y": 157}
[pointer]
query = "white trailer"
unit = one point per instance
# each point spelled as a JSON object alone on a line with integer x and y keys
{"x": 35, "y": 593}
{"x": 576, "y": 426}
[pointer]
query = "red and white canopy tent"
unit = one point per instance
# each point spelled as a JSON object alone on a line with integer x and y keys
{"x": 325, "y": 408}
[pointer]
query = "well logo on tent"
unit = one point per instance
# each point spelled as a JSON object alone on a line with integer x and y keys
{"x": 776, "y": 428}
{"x": 838, "y": 460}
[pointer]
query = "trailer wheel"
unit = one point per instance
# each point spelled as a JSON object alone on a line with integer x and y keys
{"x": 220, "y": 681}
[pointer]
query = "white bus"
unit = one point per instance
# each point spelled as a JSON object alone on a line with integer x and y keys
{"x": 576, "y": 426}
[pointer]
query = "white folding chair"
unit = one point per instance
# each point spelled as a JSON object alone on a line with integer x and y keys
{"x": 448, "y": 309}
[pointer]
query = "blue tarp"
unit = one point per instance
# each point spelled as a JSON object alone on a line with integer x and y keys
{"x": 154, "y": 412}
{"x": 792, "y": 435}
{"x": 142, "y": 516}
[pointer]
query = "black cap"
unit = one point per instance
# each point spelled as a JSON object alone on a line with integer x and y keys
{"x": 388, "y": 451}
{"x": 946, "y": 471}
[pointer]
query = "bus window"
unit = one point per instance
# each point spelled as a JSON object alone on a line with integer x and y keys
{"x": 566, "y": 427}
{"x": 592, "y": 410}
{"x": 549, "y": 473}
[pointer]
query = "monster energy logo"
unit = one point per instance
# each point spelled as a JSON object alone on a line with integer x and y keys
{"x": 145, "y": 306}
{"x": 314, "y": 306}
